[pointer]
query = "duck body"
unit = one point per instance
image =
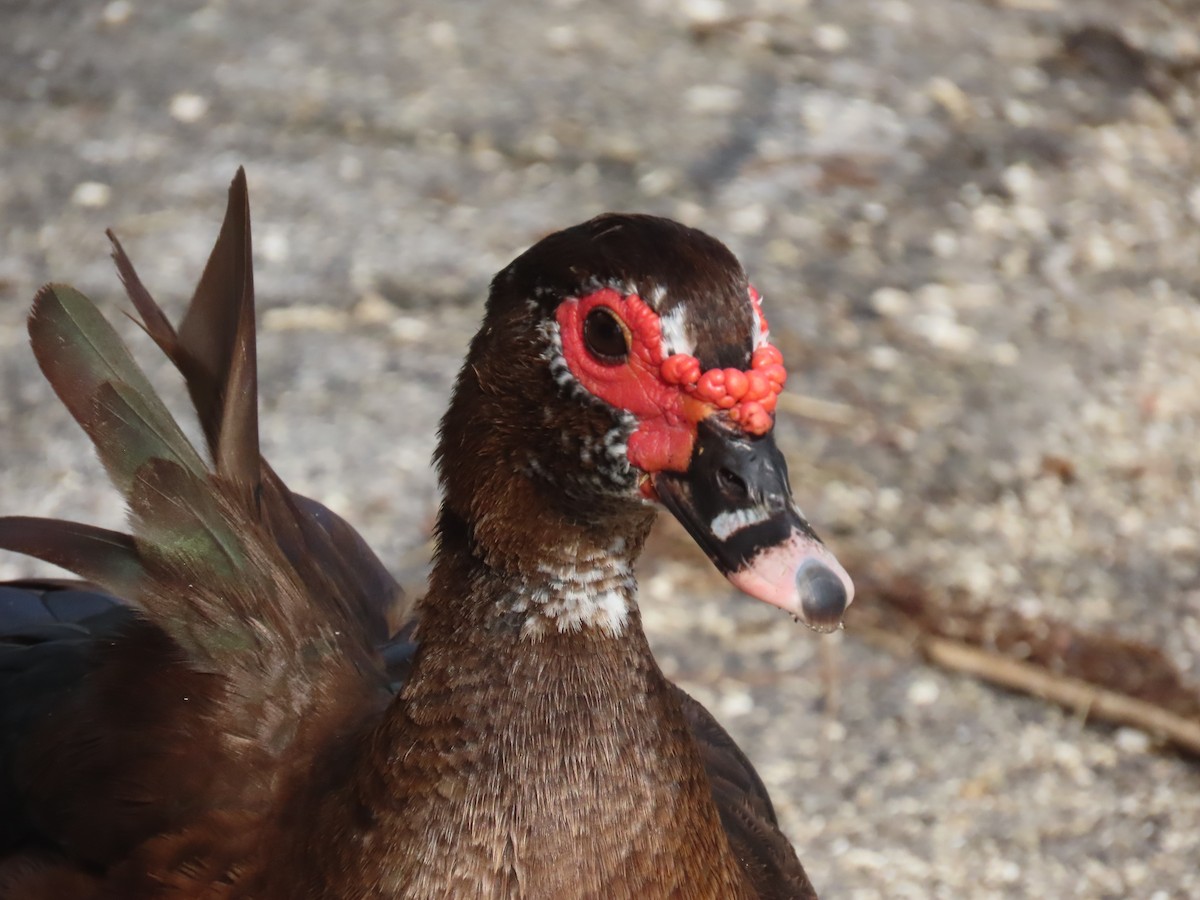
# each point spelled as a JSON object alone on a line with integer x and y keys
{"x": 247, "y": 720}
{"x": 566, "y": 795}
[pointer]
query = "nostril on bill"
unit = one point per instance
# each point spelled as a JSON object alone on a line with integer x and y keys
{"x": 822, "y": 594}
{"x": 732, "y": 484}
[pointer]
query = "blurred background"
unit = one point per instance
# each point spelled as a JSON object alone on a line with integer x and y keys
{"x": 976, "y": 225}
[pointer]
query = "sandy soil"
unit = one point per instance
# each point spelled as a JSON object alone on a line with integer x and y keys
{"x": 976, "y": 227}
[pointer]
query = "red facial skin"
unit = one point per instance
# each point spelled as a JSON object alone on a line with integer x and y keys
{"x": 668, "y": 395}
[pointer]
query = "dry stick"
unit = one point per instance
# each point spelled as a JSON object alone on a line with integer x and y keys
{"x": 1079, "y": 696}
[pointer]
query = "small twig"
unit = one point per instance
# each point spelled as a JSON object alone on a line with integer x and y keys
{"x": 1099, "y": 677}
{"x": 1087, "y": 700}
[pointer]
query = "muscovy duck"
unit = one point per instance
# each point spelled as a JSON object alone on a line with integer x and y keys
{"x": 248, "y": 721}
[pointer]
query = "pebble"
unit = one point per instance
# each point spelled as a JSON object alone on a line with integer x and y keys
{"x": 749, "y": 220}
{"x": 831, "y": 38}
{"x": 562, "y": 38}
{"x": 188, "y": 108}
{"x": 1193, "y": 203}
{"x": 1020, "y": 180}
{"x": 735, "y": 702}
{"x": 712, "y": 99}
{"x": 442, "y": 35}
{"x": 91, "y": 194}
{"x": 944, "y": 244}
{"x": 883, "y": 357}
{"x": 1100, "y": 252}
{"x": 117, "y": 12}
{"x": 1005, "y": 354}
{"x": 274, "y": 245}
{"x": 950, "y": 97}
{"x": 923, "y": 692}
{"x": 1132, "y": 740}
{"x": 942, "y": 331}
{"x": 658, "y": 182}
{"x": 891, "y": 302}
{"x": 705, "y": 12}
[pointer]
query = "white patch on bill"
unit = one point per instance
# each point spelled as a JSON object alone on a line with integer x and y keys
{"x": 675, "y": 337}
{"x": 730, "y": 522}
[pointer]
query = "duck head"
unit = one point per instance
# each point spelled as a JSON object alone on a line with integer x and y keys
{"x": 625, "y": 365}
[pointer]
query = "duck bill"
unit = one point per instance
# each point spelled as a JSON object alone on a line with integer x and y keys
{"x": 735, "y": 502}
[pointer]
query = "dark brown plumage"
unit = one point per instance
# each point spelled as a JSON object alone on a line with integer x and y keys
{"x": 248, "y": 722}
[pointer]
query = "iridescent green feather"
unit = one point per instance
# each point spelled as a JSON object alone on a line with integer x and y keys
{"x": 80, "y": 353}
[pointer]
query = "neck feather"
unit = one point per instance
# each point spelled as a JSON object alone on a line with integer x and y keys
{"x": 536, "y": 578}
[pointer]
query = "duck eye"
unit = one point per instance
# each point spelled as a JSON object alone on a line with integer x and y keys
{"x": 605, "y": 336}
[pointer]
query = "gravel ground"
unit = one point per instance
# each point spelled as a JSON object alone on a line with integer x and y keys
{"x": 976, "y": 227}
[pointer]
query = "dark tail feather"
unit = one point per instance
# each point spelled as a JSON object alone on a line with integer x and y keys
{"x": 210, "y": 336}
{"x": 178, "y": 521}
{"x": 178, "y": 507}
{"x": 153, "y": 321}
{"x": 217, "y": 347}
{"x": 363, "y": 577}
{"x": 93, "y": 374}
{"x": 214, "y": 349}
{"x": 271, "y": 591}
{"x": 107, "y": 558}
{"x": 188, "y": 537}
